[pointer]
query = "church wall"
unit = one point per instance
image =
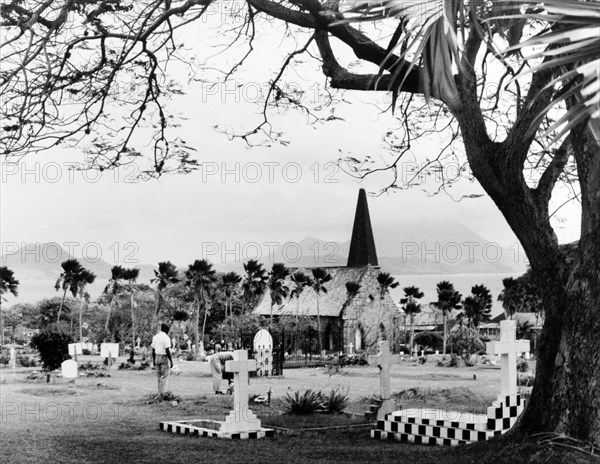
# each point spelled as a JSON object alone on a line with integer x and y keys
{"x": 369, "y": 312}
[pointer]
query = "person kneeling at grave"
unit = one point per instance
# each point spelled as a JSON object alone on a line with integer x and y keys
{"x": 217, "y": 367}
{"x": 161, "y": 357}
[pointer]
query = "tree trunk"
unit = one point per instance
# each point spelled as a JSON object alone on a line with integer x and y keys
{"x": 412, "y": 334}
{"x": 80, "y": 323}
{"x": 132, "y": 356}
{"x": 155, "y": 324}
{"x": 62, "y": 302}
{"x": 444, "y": 318}
{"x": 319, "y": 327}
{"x": 196, "y": 327}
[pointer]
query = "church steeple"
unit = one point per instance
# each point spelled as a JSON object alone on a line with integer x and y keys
{"x": 362, "y": 245}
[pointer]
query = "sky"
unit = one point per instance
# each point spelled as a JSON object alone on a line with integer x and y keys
{"x": 240, "y": 195}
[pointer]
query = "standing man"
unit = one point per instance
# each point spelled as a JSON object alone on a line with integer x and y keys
{"x": 161, "y": 357}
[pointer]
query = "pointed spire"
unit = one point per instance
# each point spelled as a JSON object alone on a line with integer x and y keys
{"x": 362, "y": 245}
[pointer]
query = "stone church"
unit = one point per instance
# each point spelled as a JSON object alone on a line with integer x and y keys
{"x": 348, "y": 322}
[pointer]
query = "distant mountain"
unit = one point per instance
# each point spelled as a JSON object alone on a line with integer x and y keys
{"x": 427, "y": 248}
{"x": 41, "y": 261}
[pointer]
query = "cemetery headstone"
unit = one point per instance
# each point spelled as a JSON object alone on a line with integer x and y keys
{"x": 110, "y": 351}
{"x": 384, "y": 360}
{"x": 239, "y": 423}
{"x": 263, "y": 349}
{"x": 350, "y": 348}
{"x": 507, "y": 348}
{"x": 75, "y": 350}
{"x": 13, "y": 358}
{"x": 69, "y": 369}
{"x": 456, "y": 428}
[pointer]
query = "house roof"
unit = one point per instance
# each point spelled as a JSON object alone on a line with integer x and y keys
{"x": 330, "y": 303}
{"x": 521, "y": 318}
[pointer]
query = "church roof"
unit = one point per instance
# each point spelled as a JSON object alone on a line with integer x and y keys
{"x": 362, "y": 245}
{"x": 330, "y": 303}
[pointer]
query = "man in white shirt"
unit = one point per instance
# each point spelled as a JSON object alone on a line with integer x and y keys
{"x": 161, "y": 357}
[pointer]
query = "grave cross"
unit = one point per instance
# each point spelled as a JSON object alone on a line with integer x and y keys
{"x": 240, "y": 366}
{"x": 507, "y": 348}
{"x": 385, "y": 360}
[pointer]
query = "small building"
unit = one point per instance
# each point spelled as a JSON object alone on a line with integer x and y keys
{"x": 354, "y": 323}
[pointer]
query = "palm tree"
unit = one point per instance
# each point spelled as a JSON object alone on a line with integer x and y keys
{"x": 411, "y": 307}
{"x": 113, "y": 289}
{"x": 478, "y": 306}
{"x": 163, "y": 277}
{"x": 255, "y": 282}
{"x": 230, "y": 281}
{"x": 386, "y": 281}
{"x": 131, "y": 275}
{"x": 8, "y": 284}
{"x": 68, "y": 280}
{"x": 278, "y": 290}
{"x": 300, "y": 281}
{"x": 86, "y": 277}
{"x": 319, "y": 277}
{"x": 448, "y": 300}
{"x": 199, "y": 277}
{"x": 352, "y": 289}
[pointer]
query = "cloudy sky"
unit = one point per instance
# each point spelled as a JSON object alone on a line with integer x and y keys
{"x": 239, "y": 195}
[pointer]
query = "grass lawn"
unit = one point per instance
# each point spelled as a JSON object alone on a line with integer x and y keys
{"x": 110, "y": 419}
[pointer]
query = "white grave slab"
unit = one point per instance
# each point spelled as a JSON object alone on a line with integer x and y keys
{"x": 507, "y": 348}
{"x": 75, "y": 349}
{"x": 109, "y": 350}
{"x": 69, "y": 369}
{"x": 13, "y": 358}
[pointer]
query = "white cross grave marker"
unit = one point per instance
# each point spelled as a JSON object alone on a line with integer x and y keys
{"x": 241, "y": 419}
{"x": 384, "y": 360}
{"x": 507, "y": 348}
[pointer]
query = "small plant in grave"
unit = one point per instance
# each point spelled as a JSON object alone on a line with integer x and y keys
{"x": 161, "y": 397}
{"x": 336, "y": 402}
{"x": 303, "y": 403}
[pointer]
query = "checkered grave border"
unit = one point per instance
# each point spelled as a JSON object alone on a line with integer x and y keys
{"x": 181, "y": 428}
{"x": 502, "y": 415}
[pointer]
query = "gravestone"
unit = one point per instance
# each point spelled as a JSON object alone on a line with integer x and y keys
{"x": 438, "y": 427}
{"x": 263, "y": 349}
{"x": 109, "y": 351}
{"x": 384, "y": 360}
{"x": 75, "y": 350}
{"x": 239, "y": 423}
{"x": 13, "y": 358}
{"x": 507, "y": 348}
{"x": 69, "y": 369}
{"x": 350, "y": 349}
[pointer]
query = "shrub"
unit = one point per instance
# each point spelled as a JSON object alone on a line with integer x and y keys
{"x": 86, "y": 352}
{"x": 26, "y": 361}
{"x": 353, "y": 360}
{"x": 466, "y": 342}
{"x": 305, "y": 403}
{"x": 53, "y": 345}
{"x": 522, "y": 366}
{"x": 432, "y": 340}
{"x": 4, "y": 358}
{"x": 336, "y": 402}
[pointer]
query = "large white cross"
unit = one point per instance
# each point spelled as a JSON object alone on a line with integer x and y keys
{"x": 240, "y": 366}
{"x": 385, "y": 360}
{"x": 507, "y": 348}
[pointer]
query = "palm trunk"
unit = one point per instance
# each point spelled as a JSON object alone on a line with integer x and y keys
{"x": 412, "y": 334}
{"x": 62, "y": 302}
{"x": 156, "y": 311}
{"x": 445, "y": 333}
{"x": 196, "y": 325}
{"x": 319, "y": 327}
{"x": 132, "y": 356}
{"x": 80, "y": 322}
{"x": 1, "y": 323}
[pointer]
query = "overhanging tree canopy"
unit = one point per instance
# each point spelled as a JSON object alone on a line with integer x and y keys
{"x": 87, "y": 51}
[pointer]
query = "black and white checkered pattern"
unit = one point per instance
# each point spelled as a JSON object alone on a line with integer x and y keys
{"x": 436, "y": 427}
{"x": 183, "y": 428}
